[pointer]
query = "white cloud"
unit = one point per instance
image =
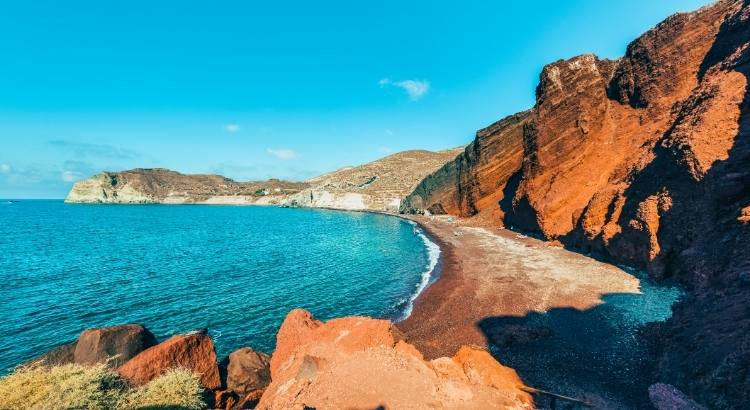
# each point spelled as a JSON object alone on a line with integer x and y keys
{"x": 283, "y": 153}
{"x": 231, "y": 128}
{"x": 389, "y": 132}
{"x": 415, "y": 89}
{"x": 5, "y": 169}
{"x": 71, "y": 176}
{"x": 384, "y": 150}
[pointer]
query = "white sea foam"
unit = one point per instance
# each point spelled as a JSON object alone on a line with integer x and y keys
{"x": 433, "y": 256}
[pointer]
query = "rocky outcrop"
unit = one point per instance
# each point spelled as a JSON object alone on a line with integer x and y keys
{"x": 643, "y": 160}
{"x": 350, "y": 362}
{"x": 358, "y": 362}
{"x": 248, "y": 371}
{"x": 194, "y": 351}
{"x": 379, "y": 185}
{"x": 112, "y": 346}
{"x": 162, "y": 186}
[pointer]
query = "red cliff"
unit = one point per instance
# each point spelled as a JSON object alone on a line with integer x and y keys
{"x": 644, "y": 160}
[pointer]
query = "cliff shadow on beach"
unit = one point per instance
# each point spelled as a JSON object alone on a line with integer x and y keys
{"x": 595, "y": 354}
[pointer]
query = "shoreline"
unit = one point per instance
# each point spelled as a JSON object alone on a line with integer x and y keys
{"x": 488, "y": 273}
{"x": 455, "y": 296}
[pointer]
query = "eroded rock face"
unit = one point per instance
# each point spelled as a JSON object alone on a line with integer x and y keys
{"x": 359, "y": 362}
{"x": 194, "y": 351}
{"x": 112, "y": 345}
{"x": 248, "y": 371}
{"x": 474, "y": 182}
{"x": 645, "y": 161}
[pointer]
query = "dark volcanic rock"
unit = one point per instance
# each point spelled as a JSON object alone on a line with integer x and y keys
{"x": 248, "y": 371}
{"x": 112, "y": 345}
{"x": 194, "y": 351}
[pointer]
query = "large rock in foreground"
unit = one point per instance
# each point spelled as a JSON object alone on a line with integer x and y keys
{"x": 112, "y": 345}
{"x": 248, "y": 371}
{"x": 359, "y": 362}
{"x": 194, "y": 351}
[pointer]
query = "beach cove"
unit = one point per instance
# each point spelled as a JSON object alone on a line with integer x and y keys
{"x": 568, "y": 323}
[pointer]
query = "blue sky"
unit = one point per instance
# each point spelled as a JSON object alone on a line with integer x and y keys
{"x": 286, "y": 89}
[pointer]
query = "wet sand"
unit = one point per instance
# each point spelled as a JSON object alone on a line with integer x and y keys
{"x": 495, "y": 272}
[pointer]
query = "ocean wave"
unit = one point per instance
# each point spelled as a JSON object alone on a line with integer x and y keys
{"x": 433, "y": 256}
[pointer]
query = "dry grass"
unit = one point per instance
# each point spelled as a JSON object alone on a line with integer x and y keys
{"x": 176, "y": 389}
{"x": 61, "y": 387}
{"x": 95, "y": 387}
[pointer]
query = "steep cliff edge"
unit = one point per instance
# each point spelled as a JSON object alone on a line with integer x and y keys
{"x": 474, "y": 181}
{"x": 151, "y": 186}
{"x": 644, "y": 160}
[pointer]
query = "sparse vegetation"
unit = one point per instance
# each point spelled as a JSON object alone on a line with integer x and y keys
{"x": 175, "y": 389}
{"x": 75, "y": 386}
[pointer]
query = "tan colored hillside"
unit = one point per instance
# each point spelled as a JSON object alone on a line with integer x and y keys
{"x": 379, "y": 185}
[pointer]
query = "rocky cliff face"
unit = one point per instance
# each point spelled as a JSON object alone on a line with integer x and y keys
{"x": 473, "y": 182}
{"x": 379, "y": 185}
{"x": 149, "y": 186}
{"x": 645, "y": 160}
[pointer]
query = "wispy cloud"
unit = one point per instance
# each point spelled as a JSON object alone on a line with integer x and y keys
{"x": 389, "y": 132}
{"x": 283, "y": 153}
{"x": 415, "y": 89}
{"x": 71, "y": 176}
{"x": 5, "y": 169}
{"x": 231, "y": 128}
{"x": 84, "y": 149}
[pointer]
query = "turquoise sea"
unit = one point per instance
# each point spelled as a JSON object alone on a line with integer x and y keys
{"x": 234, "y": 270}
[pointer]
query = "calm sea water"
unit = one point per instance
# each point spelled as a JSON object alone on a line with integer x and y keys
{"x": 234, "y": 270}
